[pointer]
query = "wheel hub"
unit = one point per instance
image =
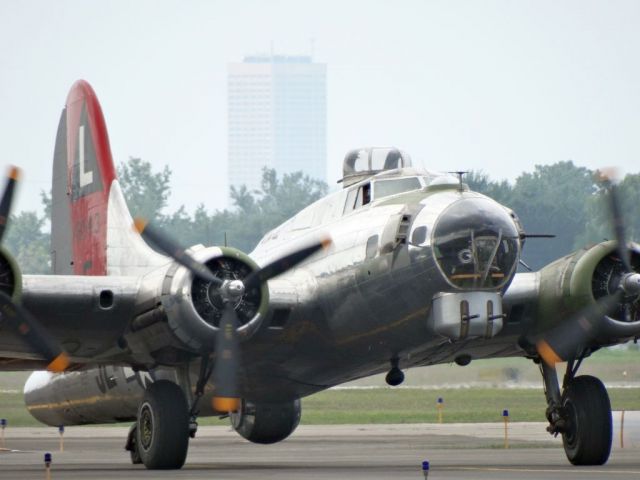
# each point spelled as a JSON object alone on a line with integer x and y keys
{"x": 146, "y": 427}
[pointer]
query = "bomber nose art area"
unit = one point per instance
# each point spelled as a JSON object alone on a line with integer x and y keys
{"x": 401, "y": 267}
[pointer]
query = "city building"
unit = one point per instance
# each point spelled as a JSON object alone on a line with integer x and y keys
{"x": 277, "y": 115}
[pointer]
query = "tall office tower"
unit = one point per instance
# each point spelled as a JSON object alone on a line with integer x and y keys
{"x": 277, "y": 115}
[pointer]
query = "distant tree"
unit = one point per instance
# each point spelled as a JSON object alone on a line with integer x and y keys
{"x": 599, "y": 225}
{"x": 45, "y": 198}
{"x": 552, "y": 199}
{"x": 478, "y": 181}
{"x": 146, "y": 192}
{"x": 562, "y": 199}
{"x": 27, "y": 242}
{"x": 253, "y": 215}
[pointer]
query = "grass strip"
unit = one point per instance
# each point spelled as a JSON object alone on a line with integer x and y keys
{"x": 387, "y": 405}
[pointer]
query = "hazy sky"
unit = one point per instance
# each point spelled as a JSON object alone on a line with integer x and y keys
{"x": 492, "y": 85}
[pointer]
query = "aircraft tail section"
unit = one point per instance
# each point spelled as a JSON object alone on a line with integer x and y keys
{"x": 91, "y": 227}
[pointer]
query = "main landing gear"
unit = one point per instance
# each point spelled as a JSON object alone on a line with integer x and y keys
{"x": 581, "y": 414}
{"x": 160, "y": 436}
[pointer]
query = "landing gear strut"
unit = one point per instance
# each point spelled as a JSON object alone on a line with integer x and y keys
{"x": 581, "y": 414}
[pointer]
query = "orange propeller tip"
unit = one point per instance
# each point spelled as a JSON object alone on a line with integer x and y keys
{"x": 326, "y": 242}
{"x": 14, "y": 173}
{"x": 139, "y": 224}
{"x": 608, "y": 174}
{"x": 59, "y": 364}
{"x": 225, "y": 404}
{"x": 547, "y": 353}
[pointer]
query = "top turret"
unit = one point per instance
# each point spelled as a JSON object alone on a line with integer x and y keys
{"x": 364, "y": 162}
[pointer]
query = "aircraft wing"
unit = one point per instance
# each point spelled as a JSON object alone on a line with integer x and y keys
{"x": 86, "y": 315}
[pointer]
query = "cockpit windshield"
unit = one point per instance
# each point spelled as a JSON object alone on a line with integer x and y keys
{"x": 384, "y": 188}
{"x": 476, "y": 244}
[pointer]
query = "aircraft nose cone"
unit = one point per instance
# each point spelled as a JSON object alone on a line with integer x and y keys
{"x": 476, "y": 244}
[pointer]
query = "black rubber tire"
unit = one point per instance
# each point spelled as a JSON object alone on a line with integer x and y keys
{"x": 162, "y": 427}
{"x": 132, "y": 446}
{"x": 266, "y": 423}
{"x": 587, "y": 410}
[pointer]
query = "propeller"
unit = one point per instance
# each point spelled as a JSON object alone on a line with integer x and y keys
{"x": 227, "y": 365}
{"x": 17, "y": 317}
{"x": 564, "y": 341}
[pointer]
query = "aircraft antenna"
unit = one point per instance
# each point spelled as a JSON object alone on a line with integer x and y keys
{"x": 460, "y": 173}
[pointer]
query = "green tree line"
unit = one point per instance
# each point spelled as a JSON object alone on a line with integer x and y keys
{"x": 565, "y": 200}
{"x": 253, "y": 214}
{"x": 561, "y": 199}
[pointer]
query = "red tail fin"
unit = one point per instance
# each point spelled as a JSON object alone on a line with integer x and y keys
{"x": 82, "y": 175}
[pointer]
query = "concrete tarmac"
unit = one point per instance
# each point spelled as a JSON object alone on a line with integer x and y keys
{"x": 456, "y": 451}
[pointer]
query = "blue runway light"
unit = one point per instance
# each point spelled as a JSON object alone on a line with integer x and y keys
{"x": 3, "y": 422}
{"x": 61, "y": 429}
{"x": 440, "y": 400}
{"x": 47, "y": 459}
{"x": 425, "y": 469}
{"x": 505, "y": 413}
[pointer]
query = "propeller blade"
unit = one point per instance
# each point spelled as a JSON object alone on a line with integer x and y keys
{"x": 172, "y": 249}
{"x": 225, "y": 372}
{"x": 618, "y": 227}
{"x": 283, "y": 264}
{"x": 7, "y": 199}
{"x": 615, "y": 208}
{"x": 564, "y": 341}
{"x": 33, "y": 333}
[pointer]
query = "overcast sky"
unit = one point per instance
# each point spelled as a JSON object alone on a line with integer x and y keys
{"x": 492, "y": 85}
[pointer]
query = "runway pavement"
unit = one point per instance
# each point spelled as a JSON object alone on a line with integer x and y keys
{"x": 456, "y": 451}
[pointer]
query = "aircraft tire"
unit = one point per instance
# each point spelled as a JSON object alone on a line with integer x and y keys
{"x": 587, "y": 409}
{"x": 162, "y": 427}
{"x": 266, "y": 423}
{"x": 132, "y": 446}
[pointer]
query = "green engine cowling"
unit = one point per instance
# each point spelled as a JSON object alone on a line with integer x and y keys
{"x": 578, "y": 280}
{"x": 10, "y": 276}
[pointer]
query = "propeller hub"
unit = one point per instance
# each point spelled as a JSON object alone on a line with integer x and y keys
{"x": 234, "y": 289}
{"x": 630, "y": 284}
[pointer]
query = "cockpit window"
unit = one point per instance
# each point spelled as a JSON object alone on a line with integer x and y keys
{"x": 476, "y": 244}
{"x": 356, "y": 198}
{"x": 384, "y": 188}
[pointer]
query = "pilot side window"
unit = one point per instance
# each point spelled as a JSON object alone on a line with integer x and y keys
{"x": 358, "y": 198}
{"x": 384, "y": 188}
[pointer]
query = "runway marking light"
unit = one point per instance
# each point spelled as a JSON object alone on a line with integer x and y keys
{"x": 425, "y": 469}
{"x": 440, "y": 406}
{"x": 505, "y": 416}
{"x": 61, "y": 432}
{"x": 47, "y": 465}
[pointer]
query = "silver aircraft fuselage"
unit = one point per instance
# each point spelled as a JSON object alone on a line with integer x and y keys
{"x": 347, "y": 312}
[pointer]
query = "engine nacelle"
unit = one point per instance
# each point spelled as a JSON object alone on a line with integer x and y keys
{"x": 266, "y": 422}
{"x": 580, "y": 279}
{"x": 191, "y": 308}
{"x": 10, "y": 276}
